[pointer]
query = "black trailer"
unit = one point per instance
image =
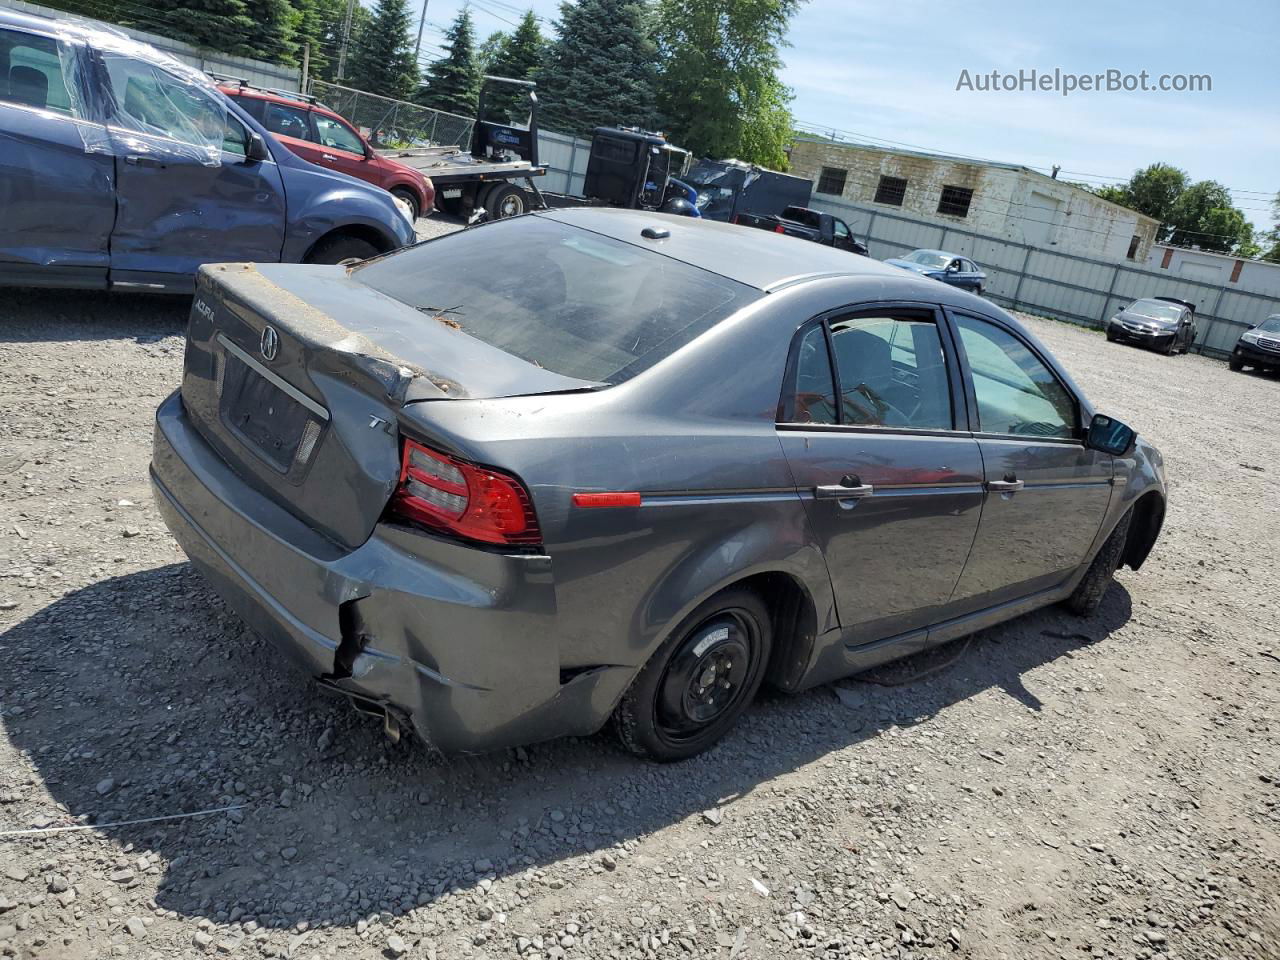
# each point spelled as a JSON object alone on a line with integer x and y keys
{"x": 728, "y": 188}
{"x": 626, "y": 168}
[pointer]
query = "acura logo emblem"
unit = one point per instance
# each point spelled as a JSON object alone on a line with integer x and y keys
{"x": 269, "y": 343}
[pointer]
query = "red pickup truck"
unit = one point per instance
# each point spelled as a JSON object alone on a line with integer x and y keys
{"x": 317, "y": 134}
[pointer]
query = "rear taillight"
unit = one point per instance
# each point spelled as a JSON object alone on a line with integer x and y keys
{"x": 734, "y": 219}
{"x": 779, "y": 229}
{"x": 463, "y": 499}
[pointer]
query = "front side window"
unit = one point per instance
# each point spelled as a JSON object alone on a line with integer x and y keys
{"x": 31, "y": 72}
{"x": 892, "y": 373}
{"x": 149, "y": 100}
{"x": 1017, "y": 393}
{"x": 569, "y": 300}
{"x": 337, "y": 135}
{"x": 840, "y": 230}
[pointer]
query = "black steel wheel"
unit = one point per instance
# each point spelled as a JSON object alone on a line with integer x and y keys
{"x": 696, "y": 686}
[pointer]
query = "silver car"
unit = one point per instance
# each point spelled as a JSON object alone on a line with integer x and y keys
{"x": 511, "y": 483}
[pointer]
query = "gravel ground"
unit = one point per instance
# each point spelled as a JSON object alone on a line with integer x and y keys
{"x": 1053, "y": 788}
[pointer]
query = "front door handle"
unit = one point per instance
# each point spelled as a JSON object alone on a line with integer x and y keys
{"x": 136, "y": 161}
{"x": 1008, "y": 485}
{"x": 327, "y": 156}
{"x": 843, "y": 491}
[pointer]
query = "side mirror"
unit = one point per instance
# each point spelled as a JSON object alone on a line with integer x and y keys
{"x": 1109, "y": 436}
{"x": 256, "y": 149}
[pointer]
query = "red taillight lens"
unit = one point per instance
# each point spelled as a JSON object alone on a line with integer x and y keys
{"x": 779, "y": 229}
{"x": 462, "y": 498}
{"x": 734, "y": 218}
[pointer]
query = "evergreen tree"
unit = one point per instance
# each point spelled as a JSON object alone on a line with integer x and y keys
{"x": 453, "y": 82}
{"x": 719, "y": 89}
{"x": 487, "y": 52}
{"x": 381, "y": 60}
{"x": 320, "y": 24}
{"x": 517, "y": 58}
{"x": 600, "y": 70}
{"x": 214, "y": 24}
{"x": 273, "y": 35}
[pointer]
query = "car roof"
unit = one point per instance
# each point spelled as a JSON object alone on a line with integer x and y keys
{"x": 757, "y": 258}
{"x": 232, "y": 89}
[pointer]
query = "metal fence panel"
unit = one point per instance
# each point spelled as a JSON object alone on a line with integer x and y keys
{"x": 1068, "y": 286}
{"x": 394, "y": 124}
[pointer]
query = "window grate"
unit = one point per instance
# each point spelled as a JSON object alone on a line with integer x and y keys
{"x": 954, "y": 201}
{"x": 891, "y": 190}
{"x": 832, "y": 181}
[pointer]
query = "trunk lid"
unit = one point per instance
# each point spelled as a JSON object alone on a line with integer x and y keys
{"x": 297, "y": 376}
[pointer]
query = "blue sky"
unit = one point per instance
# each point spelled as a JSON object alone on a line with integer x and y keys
{"x": 889, "y": 71}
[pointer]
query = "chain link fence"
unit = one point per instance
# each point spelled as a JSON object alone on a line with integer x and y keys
{"x": 394, "y": 124}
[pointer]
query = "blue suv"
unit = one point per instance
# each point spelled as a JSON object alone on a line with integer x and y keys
{"x": 121, "y": 167}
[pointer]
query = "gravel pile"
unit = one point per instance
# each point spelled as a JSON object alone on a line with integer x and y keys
{"x": 1057, "y": 789}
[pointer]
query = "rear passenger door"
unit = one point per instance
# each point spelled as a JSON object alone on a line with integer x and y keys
{"x": 1046, "y": 494}
{"x": 873, "y": 428}
{"x": 57, "y": 196}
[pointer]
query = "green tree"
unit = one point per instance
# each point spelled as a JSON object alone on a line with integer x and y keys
{"x": 453, "y": 82}
{"x": 517, "y": 58}
{"x": 1202, "y": 215}
{"x": 1153, "y": 190}
{"x": 719, "y": 76}
{"x": 320, "y": 24}
{"x": 215, "y": 24}
{"x": 381, "y": 59}
{"x": 488, "y": 51}
{"x": 273, "y": 36}
{"x": 600, "y": 70}
{"x": 1116, "y": 194}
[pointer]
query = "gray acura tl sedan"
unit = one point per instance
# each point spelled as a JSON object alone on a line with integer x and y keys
{"x": 513, "y": 482}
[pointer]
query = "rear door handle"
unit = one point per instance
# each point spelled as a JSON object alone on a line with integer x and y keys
{"x": 1005, "y": 486}
{"x": 838, "y": 491}
{"x": 137, "y": 161}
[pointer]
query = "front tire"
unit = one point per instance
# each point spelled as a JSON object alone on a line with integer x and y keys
{"x": 1235, "y": 364}
{"x": 1087, "y": 596}
{"x": 506, "y": 200}
{"x": 411, "y": 198}
{"x": 341, "y": 249}
{"x": 694, "y": 688}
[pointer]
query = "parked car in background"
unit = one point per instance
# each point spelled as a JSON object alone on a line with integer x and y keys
{"x": 317, "y": 134}
{"x": 1161, "y": 323}
{"x": 635, "y": 467}
{"x": 121, "y": 167}
{"x": 1259, "y": 347}
{"x": 948, "y": 267}
{"x": 806, "y": 224}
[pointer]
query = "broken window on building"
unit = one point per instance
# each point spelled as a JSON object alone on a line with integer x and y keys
{"x": 832, "y": 181}
{"x": 891, "y": 190}
{"x": 1133, "y": 247}
{"x": 954, "y": 201}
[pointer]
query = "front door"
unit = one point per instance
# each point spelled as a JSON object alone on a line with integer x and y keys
{"x": 1046, "y": 493}
{"x": 187, "y": 192}
{"x": 341, "y": 148}
{"x": 892, "y": 488}
{"x": 57, "y": 195}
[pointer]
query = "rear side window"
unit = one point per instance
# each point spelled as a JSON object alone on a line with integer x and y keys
{"x": 31, "y": 73}
{"x": 286, "y": 121}
{"x": 569, "y": 300}
{"x": 892, "y": 373}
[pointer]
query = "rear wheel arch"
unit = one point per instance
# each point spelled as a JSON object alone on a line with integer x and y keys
{"x": 1144, "y": 528}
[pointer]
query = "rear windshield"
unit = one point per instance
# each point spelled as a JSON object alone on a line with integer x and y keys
{"x": 571, "y": 301}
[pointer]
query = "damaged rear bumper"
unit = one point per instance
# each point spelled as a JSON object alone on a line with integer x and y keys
{"x": 458, "y": 642}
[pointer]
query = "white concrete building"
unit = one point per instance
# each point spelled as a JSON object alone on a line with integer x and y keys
{"x": 996, "y": 199}
{"x": 1219, "y": 268}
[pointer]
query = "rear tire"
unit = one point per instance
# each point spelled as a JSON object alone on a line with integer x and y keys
{"x": 506, "y": 200}
{"x": 1087, "y": 596}
{"x": 411, "y": 198}
{"x": 449, "y": 206}
{"x": 1235, "y": 364}
{"x": 340, "y": 249}
{"x": 697, "y": 684}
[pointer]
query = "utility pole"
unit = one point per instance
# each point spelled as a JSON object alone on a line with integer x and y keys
{"x": 346, "y": 39}
{"x": 422, "y": 22}
{"x": 306, "y": 65}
